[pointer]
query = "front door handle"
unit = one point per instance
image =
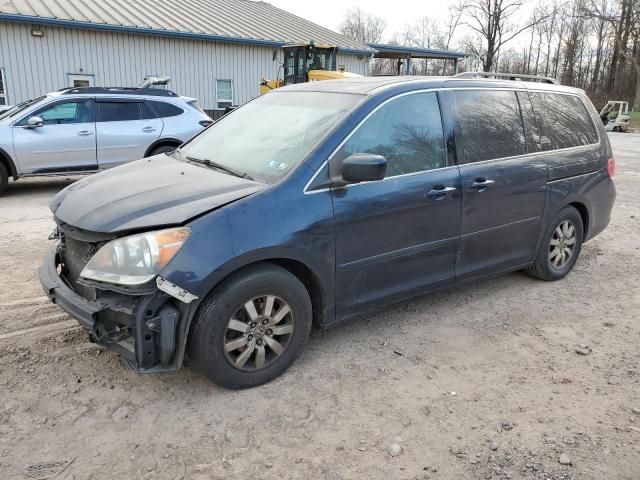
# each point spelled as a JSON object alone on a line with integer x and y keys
{"x": 148, "y": 129}
{"x": 440, "y": 192}
{"x": 84, "y": 133}
{"x": 481, "y": 184}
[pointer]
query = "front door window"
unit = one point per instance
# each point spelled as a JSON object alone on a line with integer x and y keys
{"x": 73, "y": 111}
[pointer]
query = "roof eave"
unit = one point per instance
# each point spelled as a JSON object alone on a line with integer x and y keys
{"x": 436, "y": 53}
{"x": 16, "y": 18}
{"x": 357, "y": 51}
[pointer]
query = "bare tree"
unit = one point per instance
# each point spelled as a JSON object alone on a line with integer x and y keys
{"x": 362, "y": 26}
{"x": 453, "y": 21}
{"x": 601, "y": 26}
{"x": 492, "y": 21}
{"x": 573, "y": 41}
{"x": 424, "y": 33}
{"x": 624, "y": 20}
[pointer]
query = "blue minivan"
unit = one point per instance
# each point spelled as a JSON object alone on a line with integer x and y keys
{"x": 322, "y": 201}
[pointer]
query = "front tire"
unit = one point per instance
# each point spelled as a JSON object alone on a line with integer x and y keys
{"x": 560, "y": 247}
{"x": 162, "y": 149}
{"x": 250, "y": 330}
{"x": 4, "y": 178}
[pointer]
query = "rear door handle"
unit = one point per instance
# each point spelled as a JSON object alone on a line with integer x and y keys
{"x": 84, "y": 133}
{"x": 440, "y": 192}
{"x": 481, "y": 184}
{"x": 148, "y": 129}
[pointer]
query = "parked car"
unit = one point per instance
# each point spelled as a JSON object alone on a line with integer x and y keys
{"x": 84, "y": 130}
{"x": 356, "y": 194}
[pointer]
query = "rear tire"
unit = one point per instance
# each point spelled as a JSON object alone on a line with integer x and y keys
{"x": 616, "y": 129}
{"x": 239, "y": 346}
{"x": 162, "y": 149}
{"x": 560, "y": 246}
{"x": 4, "y": 178}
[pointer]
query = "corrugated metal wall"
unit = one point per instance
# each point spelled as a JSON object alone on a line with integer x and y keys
{"x": 36, "y": 65}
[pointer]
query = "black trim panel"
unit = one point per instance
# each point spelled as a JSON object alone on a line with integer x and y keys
{"x": 81, "y": 168}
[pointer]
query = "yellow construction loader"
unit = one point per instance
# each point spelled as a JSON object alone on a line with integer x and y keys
{"x": 305, "y": 63}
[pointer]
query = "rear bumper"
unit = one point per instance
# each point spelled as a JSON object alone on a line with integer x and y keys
{"x": 601, "y": 202}
{"x": 147, "y": 331}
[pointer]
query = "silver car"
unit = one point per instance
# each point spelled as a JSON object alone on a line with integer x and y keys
{"x": 84, "y": 130}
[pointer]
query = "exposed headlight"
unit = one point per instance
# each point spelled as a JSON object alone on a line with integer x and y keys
{"x": 136, "y": 259}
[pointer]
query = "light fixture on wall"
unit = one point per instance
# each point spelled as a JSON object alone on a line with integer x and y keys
{"x": 36, "y": 32}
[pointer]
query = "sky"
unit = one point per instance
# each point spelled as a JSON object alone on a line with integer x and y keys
{"x": 397, "y": 13}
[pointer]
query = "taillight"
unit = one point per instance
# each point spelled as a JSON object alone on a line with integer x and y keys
{"x": 205, "y": 123}
{"x": 611, "y": 167}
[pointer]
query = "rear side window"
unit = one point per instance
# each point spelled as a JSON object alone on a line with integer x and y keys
{"x": 407, "y": 131}
{"x": 118, "y": 111}
{"x": 155, "y": 109}
{"x": 563, "y": 120}
{"x": 489, "y": 124}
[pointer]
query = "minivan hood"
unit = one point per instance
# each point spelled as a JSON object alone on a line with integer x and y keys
{"x": 153, "y": 192}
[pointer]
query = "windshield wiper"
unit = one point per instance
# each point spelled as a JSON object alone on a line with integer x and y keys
{"x": 218, "y": 166}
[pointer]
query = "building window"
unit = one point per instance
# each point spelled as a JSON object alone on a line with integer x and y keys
{"x": 224, "y": 93}
{"x": 3, "y": 89}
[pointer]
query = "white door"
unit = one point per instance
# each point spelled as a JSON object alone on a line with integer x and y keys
{"x": 122, "y": 135}
{"x": 81, "y": 80}
{"x": 66, "y": 141}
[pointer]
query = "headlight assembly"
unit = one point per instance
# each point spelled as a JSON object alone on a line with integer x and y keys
{"x": 136, "y": 259}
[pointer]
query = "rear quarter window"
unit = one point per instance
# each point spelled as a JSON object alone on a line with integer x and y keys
{"x": 489, "y": 124}
{"x": 155, "y": 109}
{"x": 563, "y": 121}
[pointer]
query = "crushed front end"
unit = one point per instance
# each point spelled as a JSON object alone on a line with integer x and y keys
{"x": 145, "y": 324}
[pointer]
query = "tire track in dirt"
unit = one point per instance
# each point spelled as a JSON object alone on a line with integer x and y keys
{"x": 22, "y": 314}
{"x": 23, "y": 302}
{"x": 43, "y": 329}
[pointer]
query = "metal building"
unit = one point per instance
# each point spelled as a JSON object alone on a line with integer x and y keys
{"x": 214, "y": 50}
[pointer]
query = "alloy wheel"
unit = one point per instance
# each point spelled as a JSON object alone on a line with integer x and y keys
{"x": 258, "y": 332}
{"x": 562, "y": 245}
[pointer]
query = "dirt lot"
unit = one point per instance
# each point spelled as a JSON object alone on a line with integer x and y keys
{"x": 478, "y": 382}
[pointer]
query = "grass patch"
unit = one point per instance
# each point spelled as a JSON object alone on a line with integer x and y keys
{"x": 634, "y": 119}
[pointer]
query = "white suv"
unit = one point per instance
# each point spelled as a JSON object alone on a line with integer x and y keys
{"x": 84, "y": 130}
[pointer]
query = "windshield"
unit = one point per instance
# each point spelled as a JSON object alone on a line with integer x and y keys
{"x": 19, "y": 108}
{"x": 320, "y": 59}
{"x": 269, "y": 136}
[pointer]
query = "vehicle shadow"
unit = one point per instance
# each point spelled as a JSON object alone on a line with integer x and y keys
{"x": 28, "y": 186}
{"x": 373, "y": 329}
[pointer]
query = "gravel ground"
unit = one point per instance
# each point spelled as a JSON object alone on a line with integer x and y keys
{"x": 482, "y": 381}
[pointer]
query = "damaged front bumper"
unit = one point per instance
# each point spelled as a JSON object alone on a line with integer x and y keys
{"x": 149, "y": 331}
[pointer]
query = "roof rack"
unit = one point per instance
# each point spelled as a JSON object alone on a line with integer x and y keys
{"x": 156, "y": 92}
{"x": 508, "y": 76}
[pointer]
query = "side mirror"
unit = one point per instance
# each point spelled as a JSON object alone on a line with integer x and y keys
{"x": 34, "y": 122}
{"x": 363, "y": 167}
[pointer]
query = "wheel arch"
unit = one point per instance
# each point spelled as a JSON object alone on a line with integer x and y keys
{"x": 161, "y": 142}
{"x": 309, "y": 278}
{"x": 299, "y": 269}
{"x": 584, "y": 214}
{"x": 6, "y": 160}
